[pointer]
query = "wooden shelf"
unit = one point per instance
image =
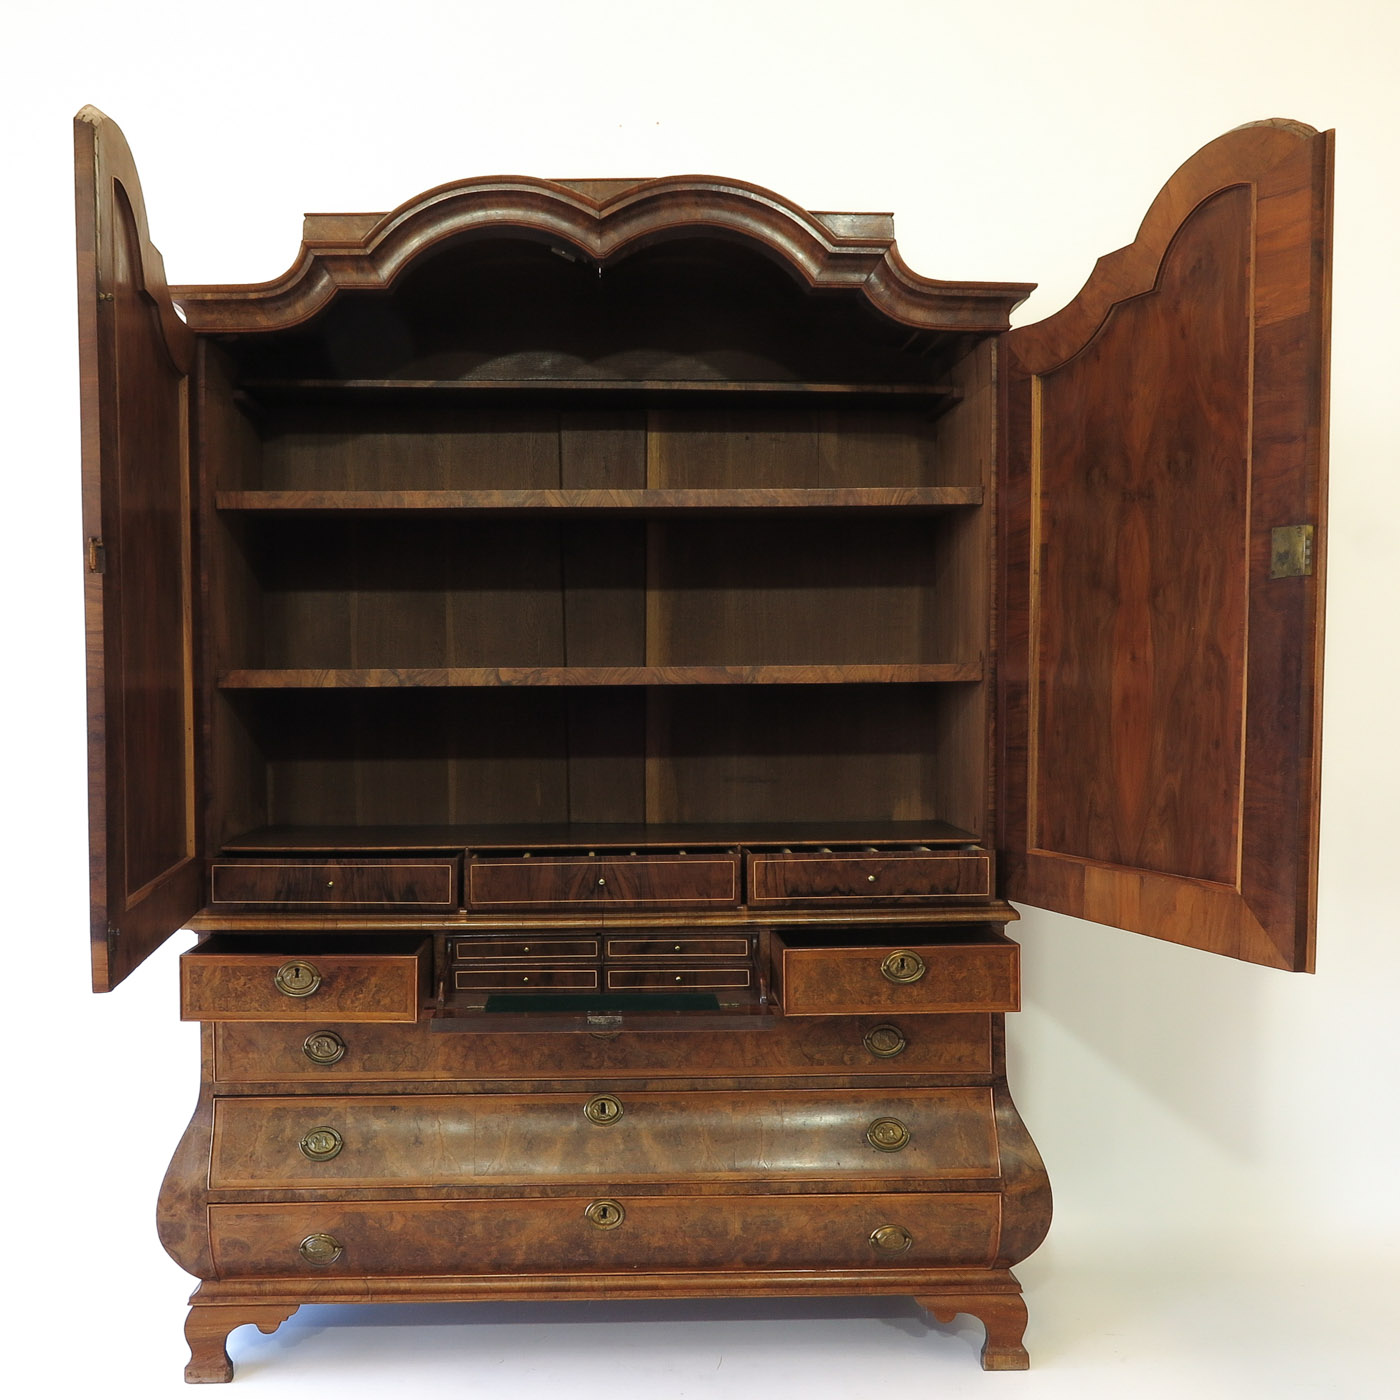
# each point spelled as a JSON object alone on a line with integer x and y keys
{"x": 466, "y": 677}
{"x": 647, "y": 390}
{"x": 904, "y": 499}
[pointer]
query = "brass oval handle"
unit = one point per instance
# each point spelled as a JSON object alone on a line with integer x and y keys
{"x": 892, "y": 1239}
{"x": 605, "y": 1215}
{"x": 321, "y": 1144}
{"x": 296, "y": 979}
{"x": 603, "y": 1109}
{"x": 327, "y": 1048}
{"x": 903, "y": 965}
{"x": 885, "y": 1042}
{"x": 320, "y": 1250}
{"x": 887, "y": 1135}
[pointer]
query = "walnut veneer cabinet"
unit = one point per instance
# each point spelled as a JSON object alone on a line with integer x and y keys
{"x": 591, "y": 661}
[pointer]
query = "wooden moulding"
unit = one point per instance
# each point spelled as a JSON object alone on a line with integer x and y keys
{"x": 993, "y": 1296}
{"x": 825, "y": 251}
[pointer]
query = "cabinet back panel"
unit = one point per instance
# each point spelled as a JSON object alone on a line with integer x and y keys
{"x": 823, "y": 753}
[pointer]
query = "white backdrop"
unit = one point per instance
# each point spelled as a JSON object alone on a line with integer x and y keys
{"x": 1222, "y": 1139}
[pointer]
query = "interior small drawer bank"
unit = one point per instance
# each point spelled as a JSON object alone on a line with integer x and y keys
{"x": 836, "y": 974}
{"x": 646, "y": 880}
{"x": 305, "y": 979}
{"x": 605, "y": 1233}
{"x": 903, "y": 875}
{"x": 383, "y": 884}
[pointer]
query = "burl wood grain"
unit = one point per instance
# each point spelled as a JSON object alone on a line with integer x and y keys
{"x": 949, "y": 1230}
{"x": 541, "y": 1139}
{"x": 253, "y": 1053}
{"x": 1160, "y": 690}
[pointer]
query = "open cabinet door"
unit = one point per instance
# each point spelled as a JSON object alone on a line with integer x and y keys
{"x": 135, "y": 357}
{"x": 1162, "y": 553}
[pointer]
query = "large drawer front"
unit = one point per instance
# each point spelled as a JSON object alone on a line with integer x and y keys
{"x": 930, "y": 1230}
{"x": 622, "y": 1139}
{"x": 882, "y": 877}
{"x": 379, "y": 885}
{"x": 500, "y": 883}
{"x": 217, "y": 985}
{"x": 914, "y": 977}
{"x": 252, "y": 1054}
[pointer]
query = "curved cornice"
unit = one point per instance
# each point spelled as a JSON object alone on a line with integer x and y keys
{"x": 1240, "y": 157}
{"x": 829, "y": 252}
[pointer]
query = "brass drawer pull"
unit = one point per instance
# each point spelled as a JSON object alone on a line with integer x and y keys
{"x": 605, "y": 1215}
{"x": 903, "y": 966}
{"x": 321, "y": 1144}
{"x": 891, "y": 1239}
{"x": 320, "y": 1250}
{"x": 887, "y": 1135}
{"x": 296, "y": 979}
{"x": 327, "y": 1048}
{"x": 885, "y": 1042}
{"x": 603, "y": 1109}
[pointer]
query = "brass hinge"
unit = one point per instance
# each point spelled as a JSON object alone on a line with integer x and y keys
{"x": 105, "y": 296}
{"x": 96, "y": 556}
{"x": 1292, "y": 553}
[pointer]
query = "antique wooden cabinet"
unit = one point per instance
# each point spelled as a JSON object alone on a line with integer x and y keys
{"x": 591, "y": 661}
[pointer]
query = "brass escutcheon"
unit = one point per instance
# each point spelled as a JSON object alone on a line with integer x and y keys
{"x": 603, "y": 1109}
{"x": 321, "y": 1144}
{"x": 885, "y": 1042}
{"x": 320, "y": 1250}
{"x": 296, "y": 979}
{"x": 903, "y": 965}
{"x": 893, "y": 1239}
{"x": 605, "y": 1215}
{"x": 327, "y": 1048}
{"x": 887, "y": 1135}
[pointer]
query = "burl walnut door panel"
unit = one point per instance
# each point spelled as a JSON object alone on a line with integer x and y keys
{"x": 1166, "y": 442}
{"x": 135, "y": 357}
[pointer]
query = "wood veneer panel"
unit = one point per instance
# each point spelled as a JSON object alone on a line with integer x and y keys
{"x": 252, "y": 1053}
{"x": 135, "y": 359}
{"x": 407, "y": 1237}
{"x": 1159, "y": 687}
{"x": 545, "y": 1139}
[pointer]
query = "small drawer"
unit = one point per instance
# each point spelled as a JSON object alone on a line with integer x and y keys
{"x": 611, "y": 1231}
{"x": 477, "y": 950}
{"x": 529, "y": 979}
{"x": 832, "y": 979}
{"x": 310, "y": 980}
{"x": 609, "y": 882}
{"x": 685, "y": 947}
{"x": 287, "y": 882}
{"x": 659, "y": 979}
{"x": 881, "y": 877}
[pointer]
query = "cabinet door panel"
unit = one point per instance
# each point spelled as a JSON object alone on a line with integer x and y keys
{"x": 1159, "y": 684}
{"x": 135, "y": 359}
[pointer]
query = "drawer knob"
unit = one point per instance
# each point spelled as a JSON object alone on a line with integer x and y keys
{"x": 605, "y": 1215}
{"x": 887, "y": 1135}
{"x": 891, "y": 1239}
{"x": 296, "y": 979}
{"x": 885, "y": 1042}
{"x": 603, "y": 1109}
{"x": 321, "y": 1144}
{"x": 903, "y": 966}
{"x": 327, "y": 1048}
{"x": 320, "y": 1250}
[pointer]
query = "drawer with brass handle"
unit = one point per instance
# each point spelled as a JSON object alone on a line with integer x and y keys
{"x": 836, "y": 975}
{"x": 309, "y": 979}
{"x": 848, "y": 1045}
{"x": 608, "y": 1231}
{"x": 620, "y": 1136}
